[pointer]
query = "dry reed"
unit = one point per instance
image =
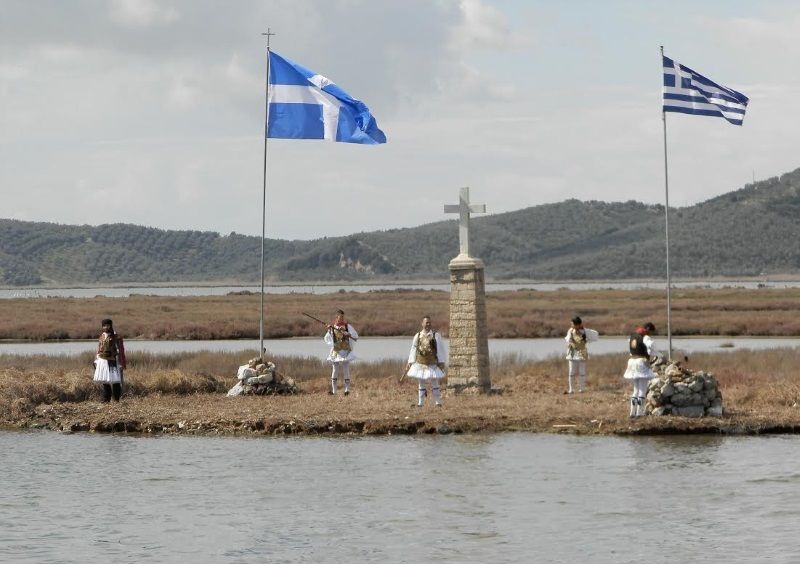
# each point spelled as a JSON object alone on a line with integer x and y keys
{"x": 524, "y": 313}
{"x": 184, "y": 392}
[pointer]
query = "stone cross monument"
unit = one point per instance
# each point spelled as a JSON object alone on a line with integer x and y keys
{"x": 468, "y": 364}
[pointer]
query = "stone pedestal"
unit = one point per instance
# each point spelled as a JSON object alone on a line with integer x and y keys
{"x": 468, "y": 363}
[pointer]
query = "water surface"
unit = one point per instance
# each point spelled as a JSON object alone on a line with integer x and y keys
{"x": 378, "y": 348}
{"x": 497, "y": 498}
{"x": 118, "y": 292}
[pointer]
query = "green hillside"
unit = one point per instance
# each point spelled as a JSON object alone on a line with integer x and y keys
{"x": 747, "y": 232}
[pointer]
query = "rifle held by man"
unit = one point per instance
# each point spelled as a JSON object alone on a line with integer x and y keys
{"x": 315, "y": 319}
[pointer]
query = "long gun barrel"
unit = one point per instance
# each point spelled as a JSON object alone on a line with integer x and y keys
{"x": 314, "y": 318}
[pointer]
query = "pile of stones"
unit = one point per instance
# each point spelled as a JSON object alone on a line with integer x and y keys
{"x": 680, "y": 391}
{"x": 259, "y": 377}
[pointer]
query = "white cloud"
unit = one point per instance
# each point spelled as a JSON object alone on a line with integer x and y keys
{"x": 183, "y": 91}
{"x": 10, "y": 72}
{"x": 483, "y": 26}
{"x": 141, "y": 13}
{"x": 169, "y": 118}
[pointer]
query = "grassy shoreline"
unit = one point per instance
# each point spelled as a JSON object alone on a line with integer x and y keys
{"x": 184, "y": 394}
{"x": 511, "y": 314}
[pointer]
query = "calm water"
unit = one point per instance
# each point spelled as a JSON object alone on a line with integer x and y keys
{"x": 500, "y": 498}
{"x": 377, "y": 348}
{"x": 333, "y": 288}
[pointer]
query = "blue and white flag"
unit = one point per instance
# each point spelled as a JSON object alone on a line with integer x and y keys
{"x": 688, "y": 92}
{"x": 306, "y": 105}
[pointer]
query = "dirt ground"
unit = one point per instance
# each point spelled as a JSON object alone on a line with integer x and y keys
{"x": 185, "y": 393}
{"x": 595, "y": 413}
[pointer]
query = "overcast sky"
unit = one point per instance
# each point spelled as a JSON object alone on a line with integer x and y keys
{"x": 152, "y": 112}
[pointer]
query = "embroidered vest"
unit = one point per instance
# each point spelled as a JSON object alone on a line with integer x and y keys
{"x": 108, "y": 347}
{"x": 341, "y": 342}
{"x": 637, "y": 346}
{"x": 426, "y": 348}
{"x": 577, "y": 343}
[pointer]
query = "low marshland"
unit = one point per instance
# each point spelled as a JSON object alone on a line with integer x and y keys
{"x": 185, "y": 393}
{"x": 511, "y": 314}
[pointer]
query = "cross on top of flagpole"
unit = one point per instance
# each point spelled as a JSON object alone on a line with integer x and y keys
{"x": 463, "y": 209}
{"x": 269, "y": 34}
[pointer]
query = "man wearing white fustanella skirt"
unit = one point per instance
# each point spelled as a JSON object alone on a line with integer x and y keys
{"x": 577, "y": 352}
{"x": 340, "y": 336}
{"x": 642, "y": 349}
{"x": 110, "y": 361}
{"x": 426, "y": 362}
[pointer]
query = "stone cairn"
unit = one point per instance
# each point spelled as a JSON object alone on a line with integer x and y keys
{"x": 259, "y": 377}
{"x": 680, "y": 391}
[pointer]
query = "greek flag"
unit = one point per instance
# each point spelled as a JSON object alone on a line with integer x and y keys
{"x": 306, "y": 105}
{"x": 688, "y": 92}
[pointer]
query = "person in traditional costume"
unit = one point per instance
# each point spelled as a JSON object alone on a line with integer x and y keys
{"x": 642, "y": 348}
{"x": 426, "y": 362}
{"x": 110, "y": 362}
{"x": 340, "y": 336}
{"x": 577, "y": 353}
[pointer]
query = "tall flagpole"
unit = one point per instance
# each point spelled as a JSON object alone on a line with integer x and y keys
{"x": 666, "y": 222}
{"x": 268, "y": 34}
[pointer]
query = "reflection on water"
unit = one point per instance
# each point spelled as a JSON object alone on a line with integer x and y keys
{"x": 490, "y": 498}
{"x": 682, "y": 453}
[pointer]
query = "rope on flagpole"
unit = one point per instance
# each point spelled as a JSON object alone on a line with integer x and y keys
{"x": 666, "y": 223}
{"x": 268, "y": 34}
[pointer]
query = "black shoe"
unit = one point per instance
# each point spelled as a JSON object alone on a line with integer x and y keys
{"x": 347, "y": 392}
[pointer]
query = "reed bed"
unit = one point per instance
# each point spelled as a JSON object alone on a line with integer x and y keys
{"x": 524, "y": 313}
{"x": 185, "y": 392}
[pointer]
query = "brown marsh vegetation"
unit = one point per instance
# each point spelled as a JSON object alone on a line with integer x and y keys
{"x": 186, "y": 393}
{"x": 511, "y": 314}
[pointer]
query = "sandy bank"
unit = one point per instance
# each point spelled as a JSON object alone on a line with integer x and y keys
{"x": 207, "y": 414}
{"x": 185, "y": 394}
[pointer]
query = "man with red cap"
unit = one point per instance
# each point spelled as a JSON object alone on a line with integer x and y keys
{"x": 642, "y": 348}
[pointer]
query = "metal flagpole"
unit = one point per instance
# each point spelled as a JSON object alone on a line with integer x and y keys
{"x": 268, "y": 34}
{"x": 666, "y": 225}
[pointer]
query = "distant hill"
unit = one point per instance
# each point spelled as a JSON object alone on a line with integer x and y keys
{"x": 747, "y": 232}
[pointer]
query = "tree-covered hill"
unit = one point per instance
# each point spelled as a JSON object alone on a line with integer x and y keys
{"x": 747, "y": 232}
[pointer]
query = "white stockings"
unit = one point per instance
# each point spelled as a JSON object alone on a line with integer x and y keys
{"x": 342, "y": 368}
{"x": 422, "y": 392}
{"x": 577, "y": 369}
{"x": 638, "y": 396}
